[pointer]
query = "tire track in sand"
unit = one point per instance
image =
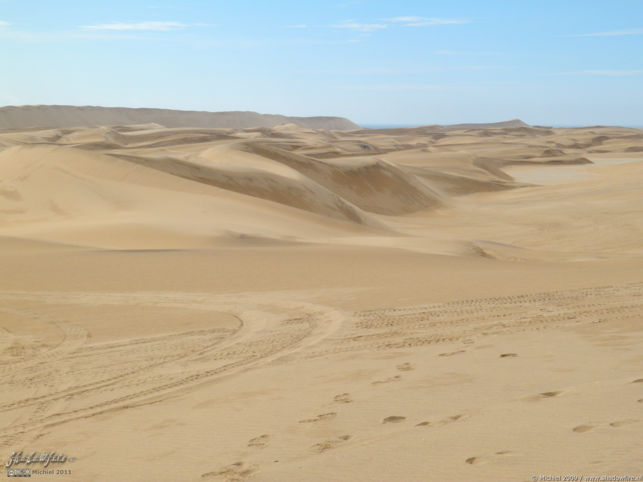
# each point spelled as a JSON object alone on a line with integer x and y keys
{"x": 266, "y": 332}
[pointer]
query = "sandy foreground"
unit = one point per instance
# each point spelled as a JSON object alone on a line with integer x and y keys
{"x": 292, "y": 304}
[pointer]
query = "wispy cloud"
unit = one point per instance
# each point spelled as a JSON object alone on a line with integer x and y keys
{"x": 613, "y": 33}
{"x": 4, "y": 24}
{"x": 361, "y": 27}
{"x": 413, "y": 21}
{"x": 613, "y": 73}
{"x": 149, "y": 26}
{"x": 408, "y": 21}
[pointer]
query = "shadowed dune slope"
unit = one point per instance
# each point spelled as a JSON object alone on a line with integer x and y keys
{"x": 373, "y": 185}
{"x": 71, "y": 195}
{"x": 258, "y": 180}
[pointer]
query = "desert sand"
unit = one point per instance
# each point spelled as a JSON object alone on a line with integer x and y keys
{"x": 287, "y": 303}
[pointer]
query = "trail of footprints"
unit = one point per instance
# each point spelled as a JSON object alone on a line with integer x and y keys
{"x": 587, "y": 427}
{"x": 241, "y": 470}
{"x": 233, "y": 472}
{"x": 237, "y": 470}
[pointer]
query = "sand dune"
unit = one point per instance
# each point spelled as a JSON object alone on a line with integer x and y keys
{"x": 258, "y": 179}
{"x": 120, "y": 176}
{"x": 372, "y": 184}
{"x": 292, "y": 303}
{"x": 58, "y": 193}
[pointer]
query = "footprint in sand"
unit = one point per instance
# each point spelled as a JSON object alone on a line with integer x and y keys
{"x": 622, "y": 423}
{"x": 482, "y": 460}
{"x": 319, "y": 418}
{"x": 619, "y": 423}
{"x": 423, "y": 424}
{"x": 330, "y": 444}
{"x": 638, "y": 380}
{"x": 236, "y": 471}
{"x": 259, "y": 442}
{"x": 508, "y": 355}
{"x": 405, "y": 367}
{"x": 543, "y": 395}
{"x": 583, "y": 428}
{"x": 550, "y": 394}
{"x": 343, "y": 398}
{"x": 396, "y": 378}
{"x": 394, "y": 419}
{"x": 451, "y": 353}
{"x": 452, "y": 418}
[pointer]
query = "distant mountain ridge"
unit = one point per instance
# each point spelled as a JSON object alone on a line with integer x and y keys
{"x": 55, "y": 116}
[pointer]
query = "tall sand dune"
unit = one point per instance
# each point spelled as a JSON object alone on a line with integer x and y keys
{"x": 372, "y": 184}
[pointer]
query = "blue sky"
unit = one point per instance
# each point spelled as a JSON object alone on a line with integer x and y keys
{"x": 559, "y": 62}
